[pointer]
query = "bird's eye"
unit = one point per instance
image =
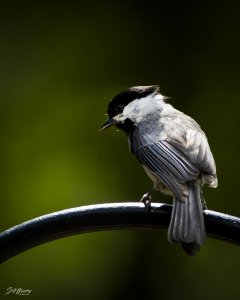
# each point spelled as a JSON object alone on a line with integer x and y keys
{"x": 119, "y": 108}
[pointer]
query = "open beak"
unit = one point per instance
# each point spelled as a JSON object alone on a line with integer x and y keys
{"x": 108, "y": 123}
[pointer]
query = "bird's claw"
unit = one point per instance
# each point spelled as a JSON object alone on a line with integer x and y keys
{"x": 204, "y": 204}
{"x": 146, "y": 200}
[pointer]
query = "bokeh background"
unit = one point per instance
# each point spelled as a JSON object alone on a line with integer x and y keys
{"x": 60, "y": 64}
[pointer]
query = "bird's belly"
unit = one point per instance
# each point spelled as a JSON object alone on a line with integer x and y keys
{"x": 158, "y": 185}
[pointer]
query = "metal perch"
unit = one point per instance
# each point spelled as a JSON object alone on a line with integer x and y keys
{"x": 105, "y": 217}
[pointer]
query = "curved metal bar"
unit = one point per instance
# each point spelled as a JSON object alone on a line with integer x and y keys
{"x": 105, "y": 217}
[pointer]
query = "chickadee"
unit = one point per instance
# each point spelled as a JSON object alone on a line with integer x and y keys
{"x": 175, "y": 154}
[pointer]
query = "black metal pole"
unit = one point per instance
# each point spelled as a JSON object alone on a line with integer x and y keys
{"x": 105, "y": 217}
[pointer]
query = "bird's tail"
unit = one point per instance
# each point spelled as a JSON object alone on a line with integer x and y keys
{"x": 187, "y": 223}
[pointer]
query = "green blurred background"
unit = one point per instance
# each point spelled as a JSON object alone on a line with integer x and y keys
{"x": 60, "y": 64}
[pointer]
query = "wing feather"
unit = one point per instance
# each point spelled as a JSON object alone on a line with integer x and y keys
{"x": 172, "y": 169}
{"x": 175, "y": 158}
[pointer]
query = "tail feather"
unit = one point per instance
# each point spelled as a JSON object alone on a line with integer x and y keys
{"x": 187, "y": 222}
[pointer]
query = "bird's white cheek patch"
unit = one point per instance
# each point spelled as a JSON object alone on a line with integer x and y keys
{"x": 139, "y": 109}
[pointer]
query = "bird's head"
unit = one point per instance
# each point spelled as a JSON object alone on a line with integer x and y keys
{"x": 131, "y": 106}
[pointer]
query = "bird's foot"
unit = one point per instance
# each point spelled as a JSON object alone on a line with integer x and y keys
{"x": 146, "y": 200}
{"x": 204, "y": 204}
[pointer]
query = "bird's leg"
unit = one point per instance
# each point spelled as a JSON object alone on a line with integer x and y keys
{"x": 204, "y": 204}
{"x": 146, "y": 199}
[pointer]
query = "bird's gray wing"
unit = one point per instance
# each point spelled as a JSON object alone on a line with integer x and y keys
{"x": 195, "y": 147}
{"x": 175, "y": 160}
{"x": 170, "y": 166}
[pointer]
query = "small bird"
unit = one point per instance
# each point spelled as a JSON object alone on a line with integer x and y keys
{"x": 175, "y": 154}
